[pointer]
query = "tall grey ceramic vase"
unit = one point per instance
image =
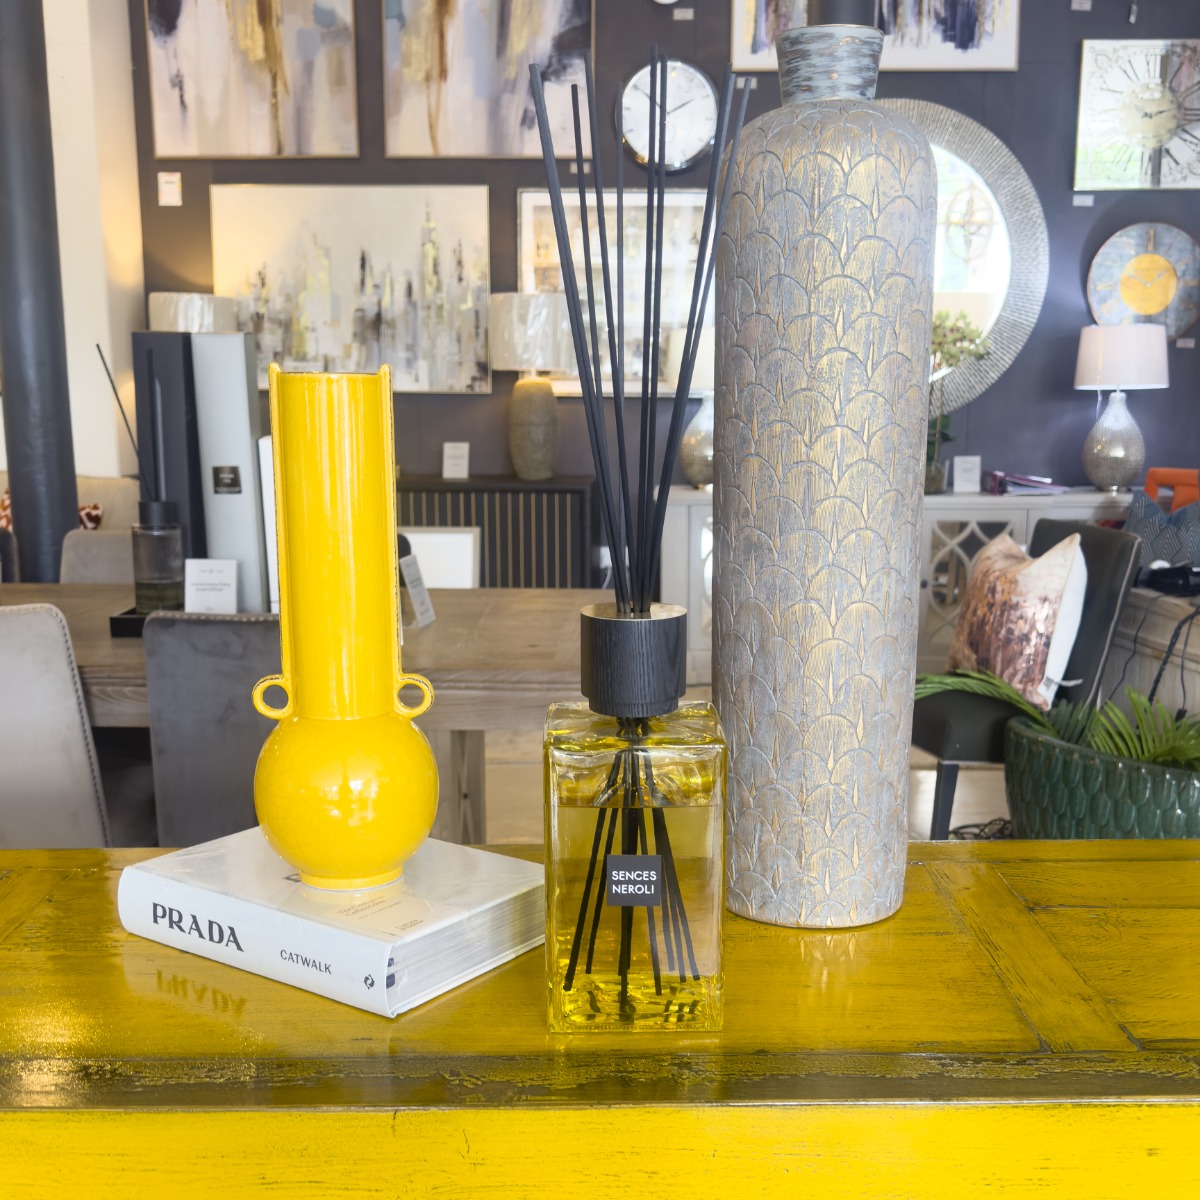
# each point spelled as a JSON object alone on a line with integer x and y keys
{"x": 825, "y": 293}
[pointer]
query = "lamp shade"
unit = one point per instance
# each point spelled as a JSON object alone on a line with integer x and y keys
{"x": 530, "y": 331}
{"x": 1122, "y": 356}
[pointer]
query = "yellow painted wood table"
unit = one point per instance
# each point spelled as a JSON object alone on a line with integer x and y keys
{"x": 1028, "y": 1024}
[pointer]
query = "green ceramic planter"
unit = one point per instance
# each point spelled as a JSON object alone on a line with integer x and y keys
{"x": 1057, "y": 790}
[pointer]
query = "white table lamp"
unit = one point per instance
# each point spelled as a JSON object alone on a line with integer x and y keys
{"x": 531, "y": 332}
{"x": 1118, "y": 357}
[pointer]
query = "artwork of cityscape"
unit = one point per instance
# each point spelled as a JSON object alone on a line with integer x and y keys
{"x": 456, "y": 76}
{"x": 243, "y": 79}
{"x": 347, "y": 278}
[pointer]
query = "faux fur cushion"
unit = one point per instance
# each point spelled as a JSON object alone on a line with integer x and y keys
{"x": 1021, "y": 615}
{"x": 90, "y": 515}
{"x": 1174, "y": 538}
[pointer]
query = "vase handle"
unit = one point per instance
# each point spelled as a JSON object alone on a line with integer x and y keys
{"x": 275, "y": 714}
{"x": 417, "y": 681}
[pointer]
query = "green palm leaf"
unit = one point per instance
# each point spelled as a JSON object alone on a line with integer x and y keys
{"x": 982, "y": 683}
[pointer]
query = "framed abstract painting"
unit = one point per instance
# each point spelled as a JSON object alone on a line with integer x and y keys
{"x": 538, "y": 268}
{"x": 335, "y": 278}
{"x": 919, "y": 35}
{"x": 245, "y": 79}
{"x": 456, "y": 76}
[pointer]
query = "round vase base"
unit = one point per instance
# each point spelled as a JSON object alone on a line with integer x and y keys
{"x": 328, "y": 884}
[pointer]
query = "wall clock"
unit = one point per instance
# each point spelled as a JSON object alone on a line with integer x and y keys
{"x": 1139, "y": 115}
{"x": 691, "y": 114}
{"x": 1147, "y": 273}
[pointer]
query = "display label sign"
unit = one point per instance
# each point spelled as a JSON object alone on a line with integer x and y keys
{"x": 634, "y": 880}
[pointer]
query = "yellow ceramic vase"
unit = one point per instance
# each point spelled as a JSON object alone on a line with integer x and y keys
{"x": 346, "y": 786}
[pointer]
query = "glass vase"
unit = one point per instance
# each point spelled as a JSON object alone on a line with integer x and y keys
{"x": 634, "y": 875}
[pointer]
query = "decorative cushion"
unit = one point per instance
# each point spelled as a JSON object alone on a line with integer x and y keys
{"x": 90, "y": 515}
{"x": 1175, "y": 538}
{"x": 1020, "y": 615}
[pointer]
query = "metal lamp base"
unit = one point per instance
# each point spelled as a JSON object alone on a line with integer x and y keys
{"x": 1114, "y": 452}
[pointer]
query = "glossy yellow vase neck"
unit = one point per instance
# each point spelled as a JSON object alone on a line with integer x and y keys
{"x": 336, "y": 489}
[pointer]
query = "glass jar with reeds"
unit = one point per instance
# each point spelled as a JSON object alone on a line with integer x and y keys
{"x": 634, "y": 782}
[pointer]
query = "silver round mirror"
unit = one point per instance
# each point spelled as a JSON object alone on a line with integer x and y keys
{"x": 992, "y": 256}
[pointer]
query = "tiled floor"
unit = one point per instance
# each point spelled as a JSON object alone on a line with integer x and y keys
{"x": 514, "y": 791}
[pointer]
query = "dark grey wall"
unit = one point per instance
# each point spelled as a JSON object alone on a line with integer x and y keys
{"x": 1031, "y": 421}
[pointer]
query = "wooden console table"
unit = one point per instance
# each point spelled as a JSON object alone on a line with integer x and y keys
{"x": 1029, "y": 1022}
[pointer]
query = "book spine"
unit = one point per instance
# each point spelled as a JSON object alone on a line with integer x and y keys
{"x": 280, "y": 946}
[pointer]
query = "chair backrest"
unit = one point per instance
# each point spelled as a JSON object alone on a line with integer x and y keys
{"x": 97, "y": 556}
{"x": 204, "y": 733}
{"x": 1111, "y": 556}
{"x": 9, "y": 571}
{"x": 449, "y": 557}
{"x": 50, "y": 791}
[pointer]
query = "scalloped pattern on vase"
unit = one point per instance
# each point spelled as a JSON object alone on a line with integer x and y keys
{"x": 825, "y": 292}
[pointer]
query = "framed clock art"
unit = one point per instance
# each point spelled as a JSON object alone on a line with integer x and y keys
{"x": 1139, "y": 115}
{"x": 1147, "y": 273}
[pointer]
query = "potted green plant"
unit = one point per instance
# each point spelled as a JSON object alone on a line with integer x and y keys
{"x": 1079, "y": 772}
{"x": 955, "y": 340}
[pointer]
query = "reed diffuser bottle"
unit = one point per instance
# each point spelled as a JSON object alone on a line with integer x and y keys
{"x": 635, "y": 784}
{"x": 635, "y": 790}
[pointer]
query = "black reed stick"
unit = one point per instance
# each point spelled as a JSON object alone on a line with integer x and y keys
{"x": 128, "y": 429}
{"x": 156, "y": 430}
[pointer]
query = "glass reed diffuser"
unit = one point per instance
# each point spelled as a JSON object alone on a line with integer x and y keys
{"x": 635, "y": 784}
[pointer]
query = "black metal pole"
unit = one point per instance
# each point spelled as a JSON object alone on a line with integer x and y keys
{"x": 37, "y": 408}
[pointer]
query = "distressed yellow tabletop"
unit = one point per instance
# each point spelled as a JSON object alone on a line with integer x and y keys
{"x": 1028, "y": 1023}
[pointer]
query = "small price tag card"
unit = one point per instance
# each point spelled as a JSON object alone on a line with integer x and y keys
{"x": 968, "y": 473}
{"x": 456, "y": 460}
{"x": 418, "y": 593}
{"x": 210, "y": 585}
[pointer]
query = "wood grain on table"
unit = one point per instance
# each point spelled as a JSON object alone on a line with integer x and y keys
{"x": 1028, "y": 1023}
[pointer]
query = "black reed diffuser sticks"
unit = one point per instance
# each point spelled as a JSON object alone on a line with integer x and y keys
{"x": 634, "y": 530}
{"x": 634, "y": 533}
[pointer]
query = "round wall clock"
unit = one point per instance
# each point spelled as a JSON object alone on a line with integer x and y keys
{"x": 1147, "y": 273}
{"x": 691, "y": 114}
{"x": 1139, "y": 115}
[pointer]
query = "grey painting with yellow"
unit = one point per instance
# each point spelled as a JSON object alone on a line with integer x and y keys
{"x": 456, "y": 75}
{"x": 252, "y": 78}
{"x": 825, "y": 289}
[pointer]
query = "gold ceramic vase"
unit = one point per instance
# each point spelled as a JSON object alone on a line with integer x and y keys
{"x": 346, "y": 786}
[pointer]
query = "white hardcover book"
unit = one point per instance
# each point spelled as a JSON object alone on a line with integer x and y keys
{"x": 266, "y": 473}
{"x": 229, "y": 426}
{"x": 454, "y": 914}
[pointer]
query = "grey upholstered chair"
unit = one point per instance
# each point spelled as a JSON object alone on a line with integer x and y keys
{"x": 204, "y": 733}
{"x": 52, "y": 792}
{"x": 97, "y": 556}
{"x": 960, "y": 728}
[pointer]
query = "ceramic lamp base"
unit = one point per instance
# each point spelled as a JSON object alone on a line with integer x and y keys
{"x": 533, "y": 429}
{"x": 1114, "y": 452}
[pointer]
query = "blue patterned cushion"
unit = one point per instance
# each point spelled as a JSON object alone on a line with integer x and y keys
{"x": 1174, "y": 538}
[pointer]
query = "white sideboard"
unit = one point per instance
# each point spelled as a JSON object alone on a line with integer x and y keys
{"x": 955, "y": 528}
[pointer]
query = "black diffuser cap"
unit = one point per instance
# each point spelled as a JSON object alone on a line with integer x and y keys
{"x": 157, "y": 512}
{"x": 633, "y": 667}
{"x": 842, "y": 12}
